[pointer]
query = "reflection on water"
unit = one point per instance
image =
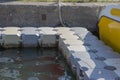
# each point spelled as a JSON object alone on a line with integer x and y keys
{"x": 33, "y": 64}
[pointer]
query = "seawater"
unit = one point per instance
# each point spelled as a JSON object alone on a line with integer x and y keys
{"x": 34, "y": 64}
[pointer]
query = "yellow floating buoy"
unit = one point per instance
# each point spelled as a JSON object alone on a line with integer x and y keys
{"x": 109, "y": 26}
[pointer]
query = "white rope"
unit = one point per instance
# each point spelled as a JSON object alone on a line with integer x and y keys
{"x": 60, "y": 13}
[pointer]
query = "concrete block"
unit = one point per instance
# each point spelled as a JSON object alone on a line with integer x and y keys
{"x": 29, "y": 36}
{"x": 11, "y": 36}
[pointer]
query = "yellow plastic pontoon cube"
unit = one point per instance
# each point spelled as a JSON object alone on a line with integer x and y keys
{"x": 109, "y": 26}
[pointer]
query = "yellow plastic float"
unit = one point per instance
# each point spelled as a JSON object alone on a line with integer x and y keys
{"x": 109, "y": 26}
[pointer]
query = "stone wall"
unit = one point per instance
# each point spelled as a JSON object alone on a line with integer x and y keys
{"x": 47, "y": 14}
{"x": 28, "y": 15}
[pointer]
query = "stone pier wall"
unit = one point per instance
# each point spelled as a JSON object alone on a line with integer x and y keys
{"x": 47, "y": 14}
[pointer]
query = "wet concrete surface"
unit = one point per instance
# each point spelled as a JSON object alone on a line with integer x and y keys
{"x": 33, "y": 64}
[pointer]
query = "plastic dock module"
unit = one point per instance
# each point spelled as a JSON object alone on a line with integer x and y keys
{"x": 1, "y": 39}
{"x": 11, "y": 37}
{"x": 114, "y": 62}
{"x": 81, "y": 32}
{"x": 87, "y": 55}
{"x": 71, "y": 42}
{"x": 30, "y": 36}
{"x": 48, "y": 37}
